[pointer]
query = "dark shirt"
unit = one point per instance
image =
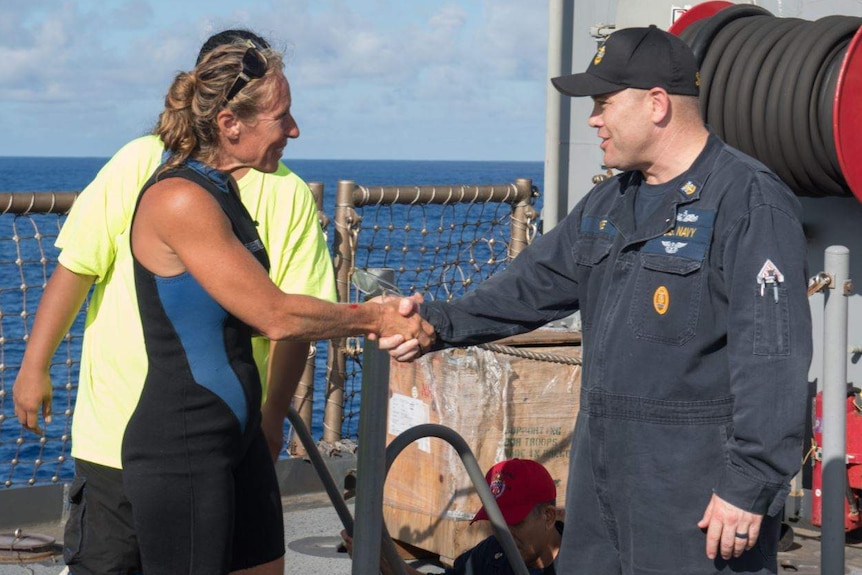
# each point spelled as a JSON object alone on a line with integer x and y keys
{"x": 487, "y": 558}
{"x": 649, "y": 198}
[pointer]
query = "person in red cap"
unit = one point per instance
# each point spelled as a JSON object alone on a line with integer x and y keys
{"x": 526, "y": 495}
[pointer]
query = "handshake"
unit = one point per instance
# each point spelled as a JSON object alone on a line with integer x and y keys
{"x": 403, "y": 332}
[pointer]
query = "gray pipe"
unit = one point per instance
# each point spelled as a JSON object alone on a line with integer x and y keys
{"x": 557, "y": 114}
{"x": 389, "y": 550}
{"x": 316, "y": 459}
{"x": 371, "y": 459}
{"x": 837, "y": 265}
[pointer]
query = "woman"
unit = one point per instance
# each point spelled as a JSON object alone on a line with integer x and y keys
{"x": 202, "y": 288}
{"x": 95, "y": 253}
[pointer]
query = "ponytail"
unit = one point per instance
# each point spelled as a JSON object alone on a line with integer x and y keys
{"x": 176, "y": 122}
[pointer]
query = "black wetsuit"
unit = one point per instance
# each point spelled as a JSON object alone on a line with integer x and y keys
{"x": 196, "y": 467}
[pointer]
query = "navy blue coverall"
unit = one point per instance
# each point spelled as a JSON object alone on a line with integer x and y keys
{"x": 696, "y": 347}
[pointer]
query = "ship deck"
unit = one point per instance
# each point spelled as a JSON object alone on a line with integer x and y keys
{"x": 311, "y": 538}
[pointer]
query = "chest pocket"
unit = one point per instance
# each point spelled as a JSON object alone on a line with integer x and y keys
{"x": 590, "y": 253}
{"x": 666, "y": 301}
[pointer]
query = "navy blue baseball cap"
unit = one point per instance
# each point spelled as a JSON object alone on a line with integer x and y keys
{"x": 641, "y": 58}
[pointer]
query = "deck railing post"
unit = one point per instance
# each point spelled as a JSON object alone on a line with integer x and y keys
{"x": 522, "y": 214}
{"x": 303, "y": 398}
{"x": 345, "y": 218}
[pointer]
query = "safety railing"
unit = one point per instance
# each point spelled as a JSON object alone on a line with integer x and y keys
{"x": 440, "y": 241}
{"x": 29, "y": 224}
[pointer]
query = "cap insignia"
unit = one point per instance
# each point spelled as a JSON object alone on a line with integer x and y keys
{"x": 600, "y": 53}
{"x": 498, "y": 486}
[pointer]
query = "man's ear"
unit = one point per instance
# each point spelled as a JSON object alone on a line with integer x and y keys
{"x": 660, "y": 105}
{"x": 550, "y": 514}
{"x": 228, "y": 124}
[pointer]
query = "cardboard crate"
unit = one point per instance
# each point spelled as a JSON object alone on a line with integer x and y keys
{"x": 503, "y": 405}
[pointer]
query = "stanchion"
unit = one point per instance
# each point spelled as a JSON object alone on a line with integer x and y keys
{"x": 371, "y": 454}
{"x": 371, "y": 460}
{"x": 837, "y": 266}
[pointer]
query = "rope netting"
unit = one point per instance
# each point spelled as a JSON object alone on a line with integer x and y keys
{"x": 27, "y": 258}
{"x": 437, "y": 241}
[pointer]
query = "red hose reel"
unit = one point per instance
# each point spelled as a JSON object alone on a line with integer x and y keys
{"x": 833, "y": 135}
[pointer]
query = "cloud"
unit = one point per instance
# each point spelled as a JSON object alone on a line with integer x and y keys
{"x": 375, "y": 69}
{"x": 133, "y": 14}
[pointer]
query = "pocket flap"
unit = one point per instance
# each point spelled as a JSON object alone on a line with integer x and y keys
{"x": 670, "y": 264}
{"x": 589, "y": 250}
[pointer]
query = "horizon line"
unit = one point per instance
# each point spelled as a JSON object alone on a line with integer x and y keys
{"x": 288, "y": 160}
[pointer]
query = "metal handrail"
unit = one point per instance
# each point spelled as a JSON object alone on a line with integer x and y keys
{"x": 390, "y": 553}
{"x": 498, "y": 524}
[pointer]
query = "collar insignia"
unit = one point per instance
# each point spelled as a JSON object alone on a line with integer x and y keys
{"x": 689, "y": 188}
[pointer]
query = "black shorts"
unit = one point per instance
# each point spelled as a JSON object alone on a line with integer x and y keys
{"x": 99, "y": 537}
{"x": 209, "y": 516}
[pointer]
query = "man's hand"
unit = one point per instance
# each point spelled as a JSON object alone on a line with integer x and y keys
{"x": 407, "y": 348}
{"x": 411, "y": 349}
{"x": 31, "y": 394}
{"x": 729, "y": 530}
{"x": 348, "y": 542}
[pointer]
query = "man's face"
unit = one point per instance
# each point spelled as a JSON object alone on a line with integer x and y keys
{"x": 623, "y": 121}
{"x": 531, "y": 534}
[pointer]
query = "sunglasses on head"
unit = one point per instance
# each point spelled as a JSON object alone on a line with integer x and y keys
{"x": 253, "y": 68}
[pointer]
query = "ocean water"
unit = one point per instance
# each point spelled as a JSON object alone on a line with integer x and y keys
{"x": 72, "y": 174}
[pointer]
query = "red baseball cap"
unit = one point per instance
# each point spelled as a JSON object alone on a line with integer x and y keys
{"x": 518, "y": 485}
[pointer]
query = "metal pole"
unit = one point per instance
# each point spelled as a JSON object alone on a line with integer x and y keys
{"x": 522, "y": 214}
{"x": 335, "y": 496}
{"x": 557, "y": 113}
{"x": 371, "y": 454}
{"x": 36, "y": 202}
{"x": 333, "y": 414}
{"x": 837, "y": 265}
{"x": 390, "y": 552}
{"x": 303, "y": 399}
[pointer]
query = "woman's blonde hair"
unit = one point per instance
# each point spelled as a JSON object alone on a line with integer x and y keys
{"x": 188, "y": 124}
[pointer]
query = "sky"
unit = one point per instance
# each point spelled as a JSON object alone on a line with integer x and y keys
{"x": 370, "y": 79}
